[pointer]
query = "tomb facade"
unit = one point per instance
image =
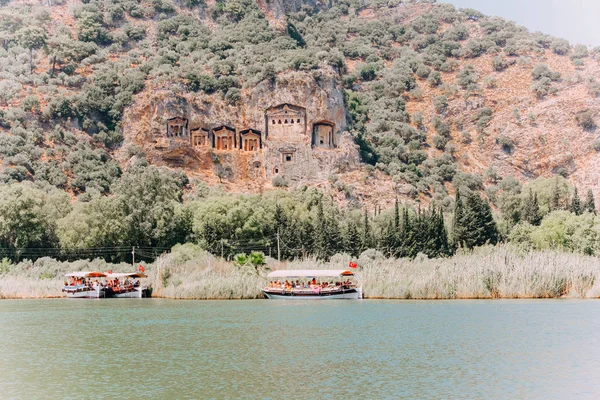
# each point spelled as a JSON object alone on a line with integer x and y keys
{"x": 177, "y": 127}
{"x": 200, "y": 137}
{"x": 224, "y": 138}
{"x": 285, "y": 121}
{"x": 250, "y": 140}
{"x": 323, "y": 135}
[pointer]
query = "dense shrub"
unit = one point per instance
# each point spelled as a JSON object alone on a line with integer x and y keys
{"x": 440, "y": 103}
{"x": 467, "y": 78}
{"x": 585, "y": 119}
{"x": 560, "y": 46}
{"x": 499, "y": 63}
{"x": 542, "y": 71}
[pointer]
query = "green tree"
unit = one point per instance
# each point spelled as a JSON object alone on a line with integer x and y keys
{"x": 458, "y": 229}
{"x": 478, "y": 222}
{"x": 367, "y": 233}
{"x": 32, "y": 38}
{"x": 320, "y": 233}
{"x": 406, "y": 238}
{"x": 576, "y": 206}
{"x": 590, "y": 203}
{"x": 28, "y": 217}
{"x": 556, "y": 198}
{"x": 352, "y": 240}
{"x": 530, "y": 211}
{"x": 149, "y": 198}
{"x": 93, "y": 224}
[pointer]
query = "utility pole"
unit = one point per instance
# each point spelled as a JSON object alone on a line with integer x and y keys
{"x": 133, "y": 256}
{"x": 278, "y": 249}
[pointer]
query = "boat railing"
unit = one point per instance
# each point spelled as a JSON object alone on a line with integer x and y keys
{"x": 316, "y": 289}
{"x": 80, "y": 288}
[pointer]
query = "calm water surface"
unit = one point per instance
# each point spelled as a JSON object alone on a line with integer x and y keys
{"x": 72, "y": 348}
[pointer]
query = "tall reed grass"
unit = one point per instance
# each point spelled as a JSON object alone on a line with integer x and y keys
{"x": 489, "y": 272}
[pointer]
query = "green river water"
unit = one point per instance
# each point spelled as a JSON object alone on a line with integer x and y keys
{"x": 369, "y": 349}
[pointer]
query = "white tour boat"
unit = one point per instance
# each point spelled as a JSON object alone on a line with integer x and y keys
{"x": 313, "y": 284}
{"x": 126, "y": 285}
{"x": 80, "y": 285}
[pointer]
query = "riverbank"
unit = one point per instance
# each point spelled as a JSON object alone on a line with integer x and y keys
{"x": 490, "y": 272}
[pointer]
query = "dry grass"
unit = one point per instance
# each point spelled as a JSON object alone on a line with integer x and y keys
{"x": 491, "y": 272}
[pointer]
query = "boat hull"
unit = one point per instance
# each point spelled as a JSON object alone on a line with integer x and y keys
{"x": 136, "y": 293}
{"x": 84, "y": 293}
{"x": 323, "y": 295}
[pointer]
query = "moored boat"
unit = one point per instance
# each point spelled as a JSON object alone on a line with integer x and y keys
{"x": 127, "y": 285}
{"x": 313, "y": 284}
{"x": 80, "y": 285}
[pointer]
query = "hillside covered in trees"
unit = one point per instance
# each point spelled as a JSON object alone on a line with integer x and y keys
{"x": 470, "y": 129}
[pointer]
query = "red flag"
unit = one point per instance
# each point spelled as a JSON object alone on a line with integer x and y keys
{"x": 141, "y": 268}
{"x": 352, "y": 265}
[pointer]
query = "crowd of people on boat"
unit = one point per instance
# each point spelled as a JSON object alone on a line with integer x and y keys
{"x": 110, "y": 283}
{"x": 312, "y": 284}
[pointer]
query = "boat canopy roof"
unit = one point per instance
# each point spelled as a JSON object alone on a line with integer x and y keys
{"x": 120, "y": 275}
{"x": 309, "y": 273}
{"x": 86, "y": 274}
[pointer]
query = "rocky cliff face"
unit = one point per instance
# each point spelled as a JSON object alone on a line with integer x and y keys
{"x": 320, "y": 96}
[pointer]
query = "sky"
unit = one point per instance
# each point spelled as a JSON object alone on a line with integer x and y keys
{"x": 578, "y": 21}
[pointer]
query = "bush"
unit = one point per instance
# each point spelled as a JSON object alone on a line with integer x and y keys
{"x": 467, "y": 78}
{"x": 541, "y": 71}
{"x": 585, "y": 119}
{"x": 435, "y": 79}
{"x": 506, "y": 143}
{"x": 135, "y": 32}
{"x": 440, "y": 103}
{"x": 280, "y": 181}
{"x": 477, "y": 47}
{"x": 543, "y": 87}
{"x": 560, "y": 47}
{"x": 465, "y": 138}
{"x": 593, "y": 87}
{"x": 483, "y": 118}
{"x": 499, "y": 63}
{"x": 490, "y": 82}
{"x": 368, "y": 73}
{"x": 472, "y": 14}
{"x": 439, "y": 142}
{"x": 91, "y": 28}
{"x": 441, "y": 127}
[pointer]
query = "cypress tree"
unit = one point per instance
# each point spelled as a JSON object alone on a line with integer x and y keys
{"x": 389, "y": 239}
{"x": 555, "y": 198}
{"x": 352, "y": 240}
{"x": 367, "y": 234}
{"x": 428, "y": 224}
{"x": 441, "y": 234}
{"x": 333, "y": 235}
{"x": 320, "y": 233}
{"x": 480, "y": 227}
{"x": 278, "y": 217}
{"x": 458, "y": 228}
{"x": 407, "y": 238}
{"x": 307, "y": 236}
{"x": 396, "y": 215}
{"x": 576, "y": 207}
{"x": 530, "y": 209}
{"x": 590, "y": 203}
{"x": 420, "y": 235}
